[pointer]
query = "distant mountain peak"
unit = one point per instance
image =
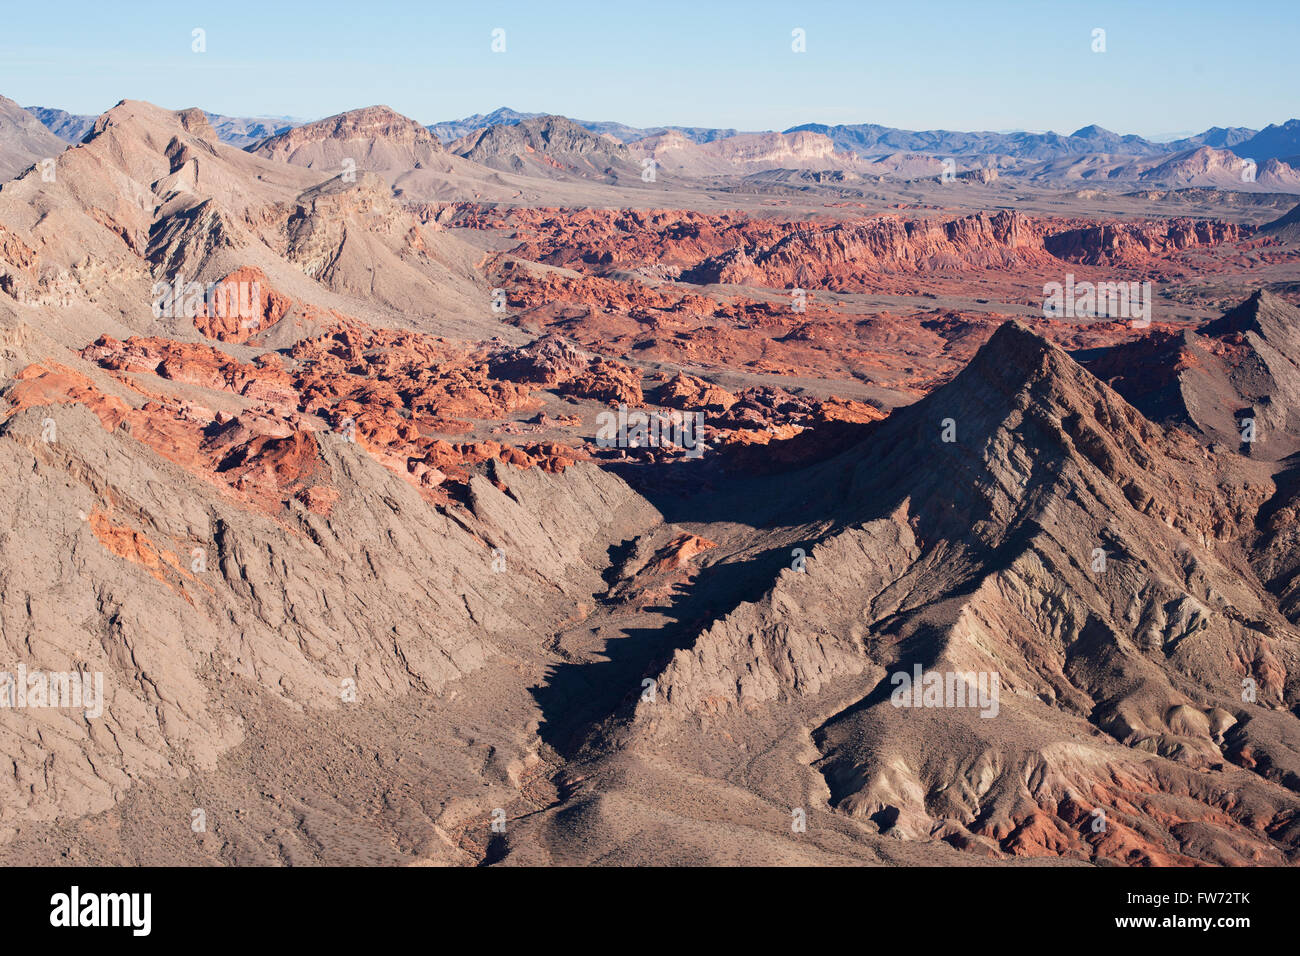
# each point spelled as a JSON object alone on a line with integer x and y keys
{"x": 1092, "y": 130}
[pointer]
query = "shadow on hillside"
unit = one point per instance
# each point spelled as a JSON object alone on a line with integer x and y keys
{"x": 579, "y": 696}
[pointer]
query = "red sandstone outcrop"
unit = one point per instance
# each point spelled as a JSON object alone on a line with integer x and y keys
{"x": 835, "y": 254}
{"x": 689, "y": 393}
{"x": 391, "y": 392}
{"x": 244, "y": 305}
{"x": 1135, "y": 244}
{"x": 679, "y": 552}
{"x": 554, "y": 363}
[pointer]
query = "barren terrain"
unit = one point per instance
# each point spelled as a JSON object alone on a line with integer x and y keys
{"x": 365, "y": 583}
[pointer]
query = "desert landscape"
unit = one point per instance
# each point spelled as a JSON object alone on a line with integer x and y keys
{"x": 522, "y": 490}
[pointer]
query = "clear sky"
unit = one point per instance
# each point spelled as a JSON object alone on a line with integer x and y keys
{"x": 1168, "y": 66}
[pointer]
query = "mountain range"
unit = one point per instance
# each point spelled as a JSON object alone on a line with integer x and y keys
{"x": 1274, "y": 142}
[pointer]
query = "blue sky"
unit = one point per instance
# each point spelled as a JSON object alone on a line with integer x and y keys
{"x": 1168, "y": 67}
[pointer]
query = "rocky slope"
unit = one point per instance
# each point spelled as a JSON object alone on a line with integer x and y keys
{"x": 1275, "y": 141}
{"x": 450, "y": 130}
{"x": 1093, "y": 561}
{"x": 373, "y": 138}
{"x": 1286, "y": 228}
{"x": 675, "y": 153}
{"x": 23, "y": 140}
{"x": 179, "y": 592}
{"x": 1215, "y": 167}
{"x": 1244, "y": 366}
{"x": 67, "y": 126}
{"x": 549, "y": 146}
{"x": 238, "y": 131}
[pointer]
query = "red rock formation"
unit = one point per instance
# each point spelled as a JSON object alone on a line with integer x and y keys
{"x": 265, "y": 380}
{"x": 842, "y": 255}
{"x": 53, "y": 384}
{"x": 554, "y": 363}
{"x": 835, "y": 254}
{"x": 392, "y": 391}
{"x": 268, "y": 466}
{"x": 908, "y": 353}
{"x": 130, "y": 545}
{"x": 243, "y": 306}
{"x": 679, "y": 552}
{"x": 689, "y": 393}
{"x": 1135, "y": 243}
